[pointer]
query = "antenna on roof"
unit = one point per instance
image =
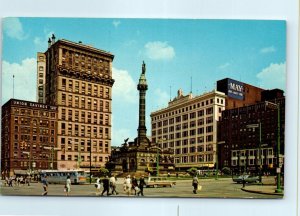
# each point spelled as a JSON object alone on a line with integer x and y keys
{"x": 13, "y": 86}
{"x": 170, "y": 93}
{"x": 191, "y": 85}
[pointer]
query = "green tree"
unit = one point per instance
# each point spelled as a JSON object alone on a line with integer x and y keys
{"x": 192, "y": 171}
{"x": 226, "y": 170}
{"x": 103, "y": 171}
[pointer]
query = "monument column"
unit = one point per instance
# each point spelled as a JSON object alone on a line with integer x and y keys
{"x": 142, "y": 88}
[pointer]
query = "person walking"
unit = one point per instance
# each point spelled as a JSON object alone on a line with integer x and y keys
{"x": 45, "y": 185}
{"x": 134, "y": 183}
{"x": 68, "y": 185}
{"x": 127, "y": 185}
{"x": 195, "y": 184}
{"x": 105, "y": 186}
{"x": 113, "y": 185}
{"x": 141, "y": 186}
{"x": 98, "y": 186}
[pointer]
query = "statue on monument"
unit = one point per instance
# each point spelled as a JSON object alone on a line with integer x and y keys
{"x": 143, "y": 68}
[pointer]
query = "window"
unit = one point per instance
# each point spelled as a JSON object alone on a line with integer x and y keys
{"x": 41, "y": 68}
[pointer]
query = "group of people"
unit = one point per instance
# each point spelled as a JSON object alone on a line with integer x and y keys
{"x": 67, "y": 186}
{"x": 132, "y": 185}
{"x": 17, "y": 181}
{"x": 108, "y": 183}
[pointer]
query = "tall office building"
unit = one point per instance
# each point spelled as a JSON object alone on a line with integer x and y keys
{"x": 188, "y": 126}
{"x": 28, "y": 137}
{"x": 79, "y": 81}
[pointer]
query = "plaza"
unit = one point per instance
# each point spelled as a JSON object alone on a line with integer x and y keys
{"x": 211, "y": 188}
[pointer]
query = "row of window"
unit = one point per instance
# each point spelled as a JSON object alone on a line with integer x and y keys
{"x": 85, "y": 88}
{"x": 34, "y": 130}
{"x": 85, "y": 130}
{"x": 191, "y": 141}
{"x": 195, "y": 159}
{"x": 189, "y": 108}
{"x": 85, "y": 103}
{"x": 34, "y": 122}
{"x": 33, "y": 138}
{"x": 83, "y": 158}
{"x": 85, "y": 117}
{"x": 185, "y": 117}
{"x": 35, "y": 113}
{"x": 193, "y": 132}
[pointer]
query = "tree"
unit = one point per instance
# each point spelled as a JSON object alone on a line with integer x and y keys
{"x": 103, "y": 171}
{"x": 226, "y": 170}
{"x": 192, "y": 171}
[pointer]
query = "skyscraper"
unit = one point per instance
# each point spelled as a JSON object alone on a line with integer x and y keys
{"x": 79, "y": 81}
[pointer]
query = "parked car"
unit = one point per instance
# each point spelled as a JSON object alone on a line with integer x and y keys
{"x": 246, "y": 178}
{"x": 159, "y": 182}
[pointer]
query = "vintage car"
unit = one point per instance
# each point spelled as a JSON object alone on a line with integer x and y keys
{"x": 159, "y": 182}
{"x": 246, "y": 178}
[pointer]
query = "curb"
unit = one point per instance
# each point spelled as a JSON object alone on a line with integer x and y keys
{"x": 261, "y": 192}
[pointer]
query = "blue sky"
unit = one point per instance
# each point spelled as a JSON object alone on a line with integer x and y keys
{"x": 174, "y": 50}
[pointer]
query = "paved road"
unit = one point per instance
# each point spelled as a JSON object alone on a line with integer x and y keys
{"x": 211, "y": 188}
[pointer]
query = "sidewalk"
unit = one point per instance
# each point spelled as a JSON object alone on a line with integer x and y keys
{"x": 262, "y": 189}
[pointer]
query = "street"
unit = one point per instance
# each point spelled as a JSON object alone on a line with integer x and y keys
{"x": 211, "y": 188}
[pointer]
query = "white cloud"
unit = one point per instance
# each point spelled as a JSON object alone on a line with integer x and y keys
{"x": 223, "y": 66}
{"x": 161, "y": 98}
{"x": 273, "y": 76}
{"x": 268, "y": 50}
{"x": 116, "y": 23}
{"x": 159, "y": 50}
{"x": 124, "y": 87}
{"x": 13, "y": 28}
{"x": 41, "y": 43}
{"x": 24, "y": 81}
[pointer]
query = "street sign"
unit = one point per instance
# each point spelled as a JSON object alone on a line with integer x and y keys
{"x": 252, "y": 125}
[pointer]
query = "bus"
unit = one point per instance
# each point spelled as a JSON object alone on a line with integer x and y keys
{"x": 60, "y": 176}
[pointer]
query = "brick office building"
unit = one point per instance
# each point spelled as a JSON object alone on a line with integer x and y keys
{"x": 247, "y": 136}
{"x": 28, "y": 131}
{"x": 79, "y": 82}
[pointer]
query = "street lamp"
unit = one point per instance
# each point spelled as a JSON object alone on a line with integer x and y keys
{"x": 279, "y": 164}
{"x": 52, "y": 148}
{"x": 259, "y": 146}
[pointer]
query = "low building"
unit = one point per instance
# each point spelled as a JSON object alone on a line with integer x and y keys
{"x": 29, "y": 137}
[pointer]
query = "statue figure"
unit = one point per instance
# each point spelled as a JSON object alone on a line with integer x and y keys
{"x": 143, "y": 68}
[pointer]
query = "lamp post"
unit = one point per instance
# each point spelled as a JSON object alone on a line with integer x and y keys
{"x": 52, "y": 149}
{"x": 279, "y": 165}
{"x": 259, "y": 146}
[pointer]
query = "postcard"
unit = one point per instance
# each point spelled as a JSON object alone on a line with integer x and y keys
{"x": 143, "y": 107}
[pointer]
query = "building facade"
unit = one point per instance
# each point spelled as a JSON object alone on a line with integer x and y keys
{"x": 41, "y": 78}
{"x": 29, "y": 132}
{"x": 248, "y": 136}
{"x": 79, "y": 82}
{"x": 188, "y": 126}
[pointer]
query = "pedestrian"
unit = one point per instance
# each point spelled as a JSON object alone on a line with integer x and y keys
{"x": 45, "y": 185}
{"x": 105, "y": 186}
{"x": 98, "y": 186}
{"x": 127, "y": 185}
{"x": 195, "y": 184}
{"x": 68, "y": 185}
{"x": 134, "y": 185}
{"x": 141, "y": 186}
{"x": 113, "y": 185}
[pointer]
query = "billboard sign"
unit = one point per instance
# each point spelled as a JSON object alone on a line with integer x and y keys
{"x": 235, "y": 89}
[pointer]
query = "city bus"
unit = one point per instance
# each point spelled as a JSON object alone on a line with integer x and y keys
{"x": 60, "y": 176}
